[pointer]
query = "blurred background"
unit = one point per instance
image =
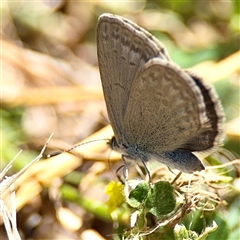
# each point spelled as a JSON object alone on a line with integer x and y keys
{"x": 50, "y": 82}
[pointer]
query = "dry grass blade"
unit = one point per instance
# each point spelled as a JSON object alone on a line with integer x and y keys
{"x": 7, "y": 183}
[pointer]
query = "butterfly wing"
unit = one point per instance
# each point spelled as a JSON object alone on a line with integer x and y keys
{"x": 212, "y": 134}
{"x": 167, "y": 109}
{"x": 123, "y": 49}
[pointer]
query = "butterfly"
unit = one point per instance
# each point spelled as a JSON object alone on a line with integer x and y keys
{"x": 157, "y": 111}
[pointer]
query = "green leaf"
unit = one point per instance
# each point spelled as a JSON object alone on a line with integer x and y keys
{"x": 161, "y": 199}
{"x": 207, "y": 231}
{"x": 180, "y": 232}
{"x": 138, "y": 195}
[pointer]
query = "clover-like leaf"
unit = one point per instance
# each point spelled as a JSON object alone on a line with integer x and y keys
{"x": 138, "y": 195}
{"x": 161, "y": 199}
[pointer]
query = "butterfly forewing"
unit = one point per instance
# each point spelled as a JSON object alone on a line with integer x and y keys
{"x": 123, "y": 48}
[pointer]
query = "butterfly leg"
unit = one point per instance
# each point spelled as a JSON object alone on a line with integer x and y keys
{"x": 148, "y": 173}
{"x": 176, "y": 178}
{"x": 118, "y": 174}
{"x": 125, "y": 169}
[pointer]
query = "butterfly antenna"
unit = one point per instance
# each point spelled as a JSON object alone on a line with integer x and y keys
{"x": 76, "y": 146}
